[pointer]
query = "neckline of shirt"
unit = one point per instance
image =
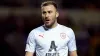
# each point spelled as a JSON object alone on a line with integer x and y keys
{"x": 50, "y": 28}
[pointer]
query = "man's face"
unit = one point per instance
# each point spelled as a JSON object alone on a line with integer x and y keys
{"x": 49, "y": 15}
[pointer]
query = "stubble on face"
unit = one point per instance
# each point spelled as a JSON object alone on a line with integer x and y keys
{"x": 49, "y": 16}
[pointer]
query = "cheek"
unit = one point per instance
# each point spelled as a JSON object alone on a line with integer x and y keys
{"x": 43, "y": 16}
{"x": 53, "y": 16}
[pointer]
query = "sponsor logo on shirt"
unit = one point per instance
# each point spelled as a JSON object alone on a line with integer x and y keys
{"x": 52, "y": 47}
{"x": 52, "y": 54}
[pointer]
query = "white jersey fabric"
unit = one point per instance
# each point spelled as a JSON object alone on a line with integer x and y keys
{"x": 53, "y": 42}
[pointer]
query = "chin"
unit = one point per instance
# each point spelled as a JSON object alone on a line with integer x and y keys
{"x": 47, "y": 25}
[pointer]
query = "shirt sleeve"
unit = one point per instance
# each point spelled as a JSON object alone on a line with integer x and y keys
{"x": 72, "y": 41}
{"x": 30, "y": 44}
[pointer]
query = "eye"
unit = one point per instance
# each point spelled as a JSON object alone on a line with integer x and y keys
{"x": 49, "y": 11}
{"x": 43, "y": 12}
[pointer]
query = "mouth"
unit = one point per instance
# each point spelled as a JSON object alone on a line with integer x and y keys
{"x": 47, "y": 20}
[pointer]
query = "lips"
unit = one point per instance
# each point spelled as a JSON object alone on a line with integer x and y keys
{"x": 47, "y": 20}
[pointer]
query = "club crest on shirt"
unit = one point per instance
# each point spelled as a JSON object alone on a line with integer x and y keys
{"x": 63, "y": 35}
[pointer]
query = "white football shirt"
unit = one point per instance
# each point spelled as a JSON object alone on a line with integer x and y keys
{"x": 53, "y": 42}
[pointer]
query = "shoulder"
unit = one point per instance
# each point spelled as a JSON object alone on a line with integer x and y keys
{"x": 38, "y": 29}
{"x": 65, "y": 28}
{"x": 68, "y": 31}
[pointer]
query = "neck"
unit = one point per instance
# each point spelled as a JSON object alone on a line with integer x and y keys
{"x": 54, "y": 25}
{"x": 51, "y": 26}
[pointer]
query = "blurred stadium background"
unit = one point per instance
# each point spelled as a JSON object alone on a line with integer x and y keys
{"x": 19, "y": 17}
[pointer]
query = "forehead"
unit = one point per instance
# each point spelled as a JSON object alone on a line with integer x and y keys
{"x": 48, "y": 7}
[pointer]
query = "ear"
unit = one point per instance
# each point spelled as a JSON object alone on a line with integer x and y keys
{"x": 57, "y": 14}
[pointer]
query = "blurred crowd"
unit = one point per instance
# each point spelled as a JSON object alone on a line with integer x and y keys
{"x": 19, "y": 17}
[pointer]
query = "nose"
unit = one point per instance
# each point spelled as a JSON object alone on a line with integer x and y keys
{"x": 46, "y": 15}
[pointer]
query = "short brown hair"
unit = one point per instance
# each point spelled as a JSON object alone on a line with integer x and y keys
{"x": 46, "y": 3}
